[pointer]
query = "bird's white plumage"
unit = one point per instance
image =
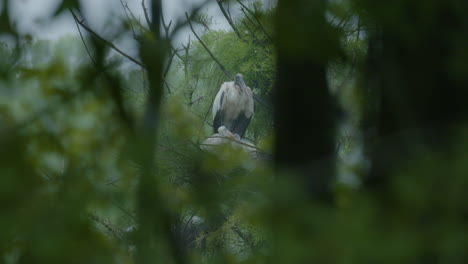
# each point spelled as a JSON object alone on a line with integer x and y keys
{"x": 232, "y": 101}
{"x": 224, "y": 136}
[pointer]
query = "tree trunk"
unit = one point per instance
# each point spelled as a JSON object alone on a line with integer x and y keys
{"x": 304, "y": 120}
{"x": 422, "y": 97}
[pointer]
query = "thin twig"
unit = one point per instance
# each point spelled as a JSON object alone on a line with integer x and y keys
{"x": 256, "y": 19}
{"x": 166, "y": 27}
{"x": 125, "y": 212}
{"x": 249, "y": 19}
{"x": 344, "y": 22}
{"x": 111, "y": 182}
{"x": 125, "y": 7}
{"x": 110, "y": 44}
{"x": 196, "y": 100}
{"x": 111, "y": 228}
{"x": 176, "y": 52}
{"x": 250, "y": 31}
{"x": 353, "y": 63}
{"x": 228, "y": 18}
{"x": 183, "y": 23}
{"x": 145, "y": 11}
{"x": 168, "y": 67}
{"x": 84, "y": 43}
{"x": 226, "y": 72}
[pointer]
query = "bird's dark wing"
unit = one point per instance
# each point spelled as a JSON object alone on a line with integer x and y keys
{"x": 221, "y": 100}
{"x": 240, "y": 124}
{"x": 218, "y": 119}
{"x": 243, "y": 120}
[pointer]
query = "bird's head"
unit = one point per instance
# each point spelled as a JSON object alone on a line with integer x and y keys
{"x": 223, "y": 131}
{"x": 239, "y": 80}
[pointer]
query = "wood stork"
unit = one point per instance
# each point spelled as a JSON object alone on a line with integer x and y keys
{"x": 233, "y": 106}
{"x": 224, "y": 136}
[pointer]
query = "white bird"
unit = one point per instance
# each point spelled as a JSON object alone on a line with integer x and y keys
{"x": 233, "y": 106}
{"x": 224, "y": 136}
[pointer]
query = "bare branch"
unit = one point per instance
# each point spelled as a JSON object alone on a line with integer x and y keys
{"x": 256, "y": 19}
{"x": 229, "y": 10}
{"x": 125, "y": 8}
{"x": 204, "y": 20}
{"x": 344, "y": 22}
{"x": 169, "y": 63}
{"x": 225, "y": 71}
{"x": 228, "y": 18}
{"x": 196, "y": 100}
{"x": 111, "y": 229}
{"x": 84, "y": 43}
{"x": 182, "y": 23}
{"x": 154, "y": 217}
{"x": 145, "y": 11}
{"x": 113, "y": 181}
{"x": 125, "y": 212}
{"x": 249, "y": 19}
{"x": 166, "y": 27}
{"x": 110, "y": 44}
{"x": 353, "y": 63}
{"x": 250, "y": 31}
{"x": 176, "y": 52}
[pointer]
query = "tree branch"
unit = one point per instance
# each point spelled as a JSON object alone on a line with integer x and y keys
{"x": 261, "y": 101}
{"x": 250, "y": 31}
{"x": 225, "y": 71}
{"x": 196, "y": 100}
{"x": 145, "y": 11}
{"x": 125, "y": 8}
{"x": 256, "y": 19}
{"x": 228, "y": 18}
{"x": 110, "y": 44}
{"x": 250, "y": 20}
{"x": 84, "y": 43}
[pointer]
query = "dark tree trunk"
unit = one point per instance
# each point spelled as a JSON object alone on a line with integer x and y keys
{"x": 417, "y": 70}
{"x": 421, "y": 92}
{"x": 304, "y": 121}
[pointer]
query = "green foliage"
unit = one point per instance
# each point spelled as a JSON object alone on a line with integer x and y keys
{"x": 253, "y": 56}
{"x": 70, "y": 163}
{"x": 50, "y": 140}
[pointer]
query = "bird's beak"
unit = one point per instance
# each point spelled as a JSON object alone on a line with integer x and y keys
{"x": 230, "y": 134}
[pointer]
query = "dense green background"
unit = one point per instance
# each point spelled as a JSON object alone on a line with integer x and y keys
{"x": 361, "y": 126}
